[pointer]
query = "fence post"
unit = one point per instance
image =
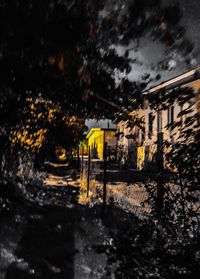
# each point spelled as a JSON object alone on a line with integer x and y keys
{"x": 82, "y": 162}
{"x": 78, "y": 159}
{"x": 160, "y": 180}
{"x": 88, "y": 173}
{"x": 104, "y": 175}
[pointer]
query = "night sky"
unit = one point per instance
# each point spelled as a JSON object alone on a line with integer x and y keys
{"x": 151, "y": 52}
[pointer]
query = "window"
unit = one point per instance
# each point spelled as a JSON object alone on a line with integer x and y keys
{"x": 137, "y": 131}
{"x": 198, "y": 118}
{"x": 159, "y": 121}
{"x": 181, "y": 118}
{"x": 170, "y": 117}
{"x": 143, "y": 130}
{"x": 150, "y": 124}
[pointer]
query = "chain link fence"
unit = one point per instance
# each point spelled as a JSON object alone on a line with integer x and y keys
{"x": 136, "y": 192}
{"x": 123, "y": 188}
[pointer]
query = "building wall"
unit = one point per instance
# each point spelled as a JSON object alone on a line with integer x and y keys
{"x": 110, "y": 138}
{"x": 145, "y": 141}
{"x": 96, "y": 142}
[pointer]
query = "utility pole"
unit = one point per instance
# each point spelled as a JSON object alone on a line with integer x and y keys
{"x": 78, "y": 159}
{"x": 88, "y": 173}
{"x": 108, "y": 126}
{"x": 104, "y": 174}
{"x": 82, "y": 162}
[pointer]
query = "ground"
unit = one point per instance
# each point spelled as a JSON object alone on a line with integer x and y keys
{"x": 58, "y": 238}
{"x": 54, "y": 240}
{"x": 49, "y": 234}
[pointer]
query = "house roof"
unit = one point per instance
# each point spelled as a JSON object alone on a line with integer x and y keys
{"x": 179, "y": 80}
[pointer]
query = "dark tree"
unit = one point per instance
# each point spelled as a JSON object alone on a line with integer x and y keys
{"x": 61, "y": 51}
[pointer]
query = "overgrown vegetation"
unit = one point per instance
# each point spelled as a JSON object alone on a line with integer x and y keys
{"x": 169, "y": 244}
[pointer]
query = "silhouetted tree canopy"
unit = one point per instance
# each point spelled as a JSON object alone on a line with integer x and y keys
{"x": 61, "y": 49}
{"x": 65, "y": 51}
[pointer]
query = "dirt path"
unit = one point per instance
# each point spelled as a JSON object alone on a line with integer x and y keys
{"x": 54, "y": 240}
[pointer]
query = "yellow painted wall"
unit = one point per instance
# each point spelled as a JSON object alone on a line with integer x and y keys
{"x": 152, "y": 151}
{"x": 140, "y": 157}
{"x": 96, "y": 142}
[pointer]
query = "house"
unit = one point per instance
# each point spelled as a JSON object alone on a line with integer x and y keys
{"x": 96, "y": 139}
{"x": 139, "y": 142}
